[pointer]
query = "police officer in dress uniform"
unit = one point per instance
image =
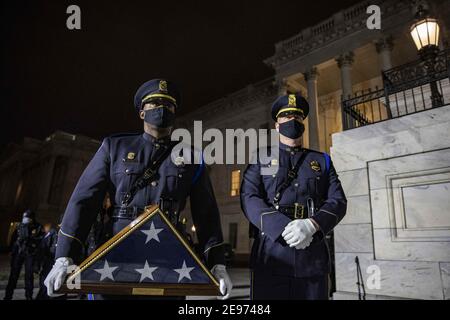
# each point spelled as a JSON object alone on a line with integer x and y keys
{"x": 116, "y": 166}
{"x": 291, "y": 211}
{"x": 25, "y": 242}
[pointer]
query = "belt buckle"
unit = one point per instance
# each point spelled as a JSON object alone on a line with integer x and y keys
{"x": 298, "y": 214}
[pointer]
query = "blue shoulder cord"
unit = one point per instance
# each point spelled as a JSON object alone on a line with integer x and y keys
{"x": 199, "y": 170}
{"x": 327, "y": 161}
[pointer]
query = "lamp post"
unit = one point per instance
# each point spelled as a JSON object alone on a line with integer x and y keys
{"x": 425, "y": 33}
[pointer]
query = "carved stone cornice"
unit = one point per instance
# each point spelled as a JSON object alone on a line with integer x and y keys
{"x": 234, "y": 102}
{"x": 340, "y": 25}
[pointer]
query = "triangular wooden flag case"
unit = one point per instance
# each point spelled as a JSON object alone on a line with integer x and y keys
{"x": 148, "y": 257}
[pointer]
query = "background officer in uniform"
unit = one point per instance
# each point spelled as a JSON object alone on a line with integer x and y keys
{"x": 25, "y": 242}
{"x": 116, "y": 166}
{"x": 101, "y": 229}
{"x": 46, "y": 258}
{"x": 291, "y": 211}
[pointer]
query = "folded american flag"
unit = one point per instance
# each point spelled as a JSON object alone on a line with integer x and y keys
{"x": 147, "y": 257}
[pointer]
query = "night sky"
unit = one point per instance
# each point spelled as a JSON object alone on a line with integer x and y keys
{"x": 83, "y": 81}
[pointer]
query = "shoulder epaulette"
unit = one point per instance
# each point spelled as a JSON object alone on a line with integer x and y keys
{"x": 327, "y": 161}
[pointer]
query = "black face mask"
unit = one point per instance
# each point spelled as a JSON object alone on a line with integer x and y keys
{"x": 160, "y": 117}
{"x": 292, "y": 129}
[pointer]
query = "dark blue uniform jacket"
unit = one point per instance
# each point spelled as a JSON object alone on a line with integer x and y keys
{"x": 316, "y": 178}
{"x": 122, "y": 159}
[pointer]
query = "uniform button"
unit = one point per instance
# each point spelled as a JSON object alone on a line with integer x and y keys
{"x": 274, "y": 175}
{"x": 127, "y": 171}
{"x": 296, "y": 185}
{"x": 157, "y": 145}
{"x": 154, "y": 183}
{"x": 180, "y": 175}
{"x": 292, "y": 152}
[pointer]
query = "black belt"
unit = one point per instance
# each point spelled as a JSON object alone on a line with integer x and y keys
{"x": 297, "y": 211}
{"x": 131, "y": 212}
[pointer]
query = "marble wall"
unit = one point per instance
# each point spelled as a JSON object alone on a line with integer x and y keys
{"x": 396, "y": 175}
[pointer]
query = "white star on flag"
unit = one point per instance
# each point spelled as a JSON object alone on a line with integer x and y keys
{"x": 146, "y": 272}
{"x": 152, "y": 233}
{"x": 184, "y": 272}
{"x": 106, "y": 272}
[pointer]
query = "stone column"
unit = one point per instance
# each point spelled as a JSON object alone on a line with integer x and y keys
{"x": 345, "y": 62}
{"x": 281, "y": 85}
{"x": 384, "y": 48}
{"x": 313, "y": 124}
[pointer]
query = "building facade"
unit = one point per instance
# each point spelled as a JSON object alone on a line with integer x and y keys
{"x": 41, "y": 175}
{"x": 343, "y": 68}
{"x": 353, "y": 78}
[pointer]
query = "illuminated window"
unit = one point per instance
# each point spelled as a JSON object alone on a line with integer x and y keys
{"x": 235, "y": 182}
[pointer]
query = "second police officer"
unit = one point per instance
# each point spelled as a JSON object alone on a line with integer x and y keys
{"x": 291, "y": 211}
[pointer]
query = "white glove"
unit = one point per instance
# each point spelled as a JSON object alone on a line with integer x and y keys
{"x": 219, "y": 271}
{"x": 299, "y": 233}
{"x": 57, "y": 275}
{"x": 304, "y": 244}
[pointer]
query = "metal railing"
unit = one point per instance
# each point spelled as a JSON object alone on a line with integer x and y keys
{"x": 407, "y": 89}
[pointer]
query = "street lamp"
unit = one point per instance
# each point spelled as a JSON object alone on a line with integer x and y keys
{"x": 425, "y": 33}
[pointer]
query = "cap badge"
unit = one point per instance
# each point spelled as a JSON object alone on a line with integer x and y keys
{"x": 315, "y": 165}
{"x": 131, "y": 155}
{"x": 292, "y": 100}
{"x": 163, "y": 85}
